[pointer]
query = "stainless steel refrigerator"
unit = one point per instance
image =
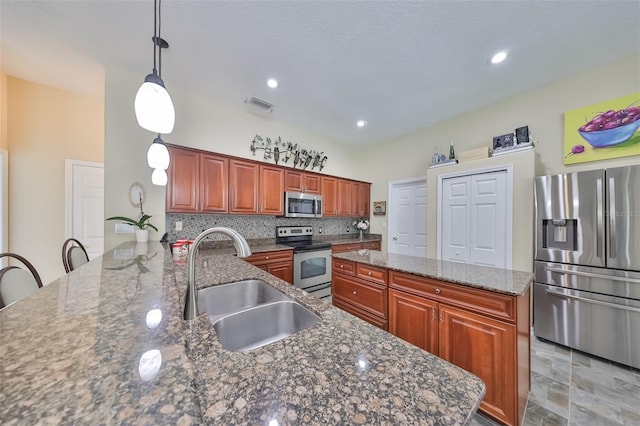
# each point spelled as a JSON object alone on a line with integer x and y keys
{"x": 587, "y": 262}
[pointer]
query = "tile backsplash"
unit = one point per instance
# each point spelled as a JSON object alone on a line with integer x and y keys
{"x": 250, "y": 227}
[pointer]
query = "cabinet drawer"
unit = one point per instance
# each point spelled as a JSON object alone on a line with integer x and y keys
{"x": 270, "y": 256}
{"x": 372, "y": 273}
{"x": 371, "y": 245}
{"x": 370, "y": 297}
{"x": 344, "y": 266}
{"x": 497, "y": 305}
{"x": 339, "y": 248}
{"x": 362, "y": 314}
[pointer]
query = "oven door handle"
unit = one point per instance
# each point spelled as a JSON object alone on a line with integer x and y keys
{"x": 592, "y": 301}
{"x": 312, "y": 249}
{"x": 592, "y": 275}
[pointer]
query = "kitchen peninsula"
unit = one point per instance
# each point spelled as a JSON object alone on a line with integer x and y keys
{"x": 106, "y": 343}
{"x": 473, "y": 316}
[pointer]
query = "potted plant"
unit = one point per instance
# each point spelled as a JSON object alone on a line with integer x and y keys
{"x": 142, "y": 226}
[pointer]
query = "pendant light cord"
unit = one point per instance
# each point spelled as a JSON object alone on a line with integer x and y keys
{"x": 155, "y": 28}
{"x": 158, "y": 41}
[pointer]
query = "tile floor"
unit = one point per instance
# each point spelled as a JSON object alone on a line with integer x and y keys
{"x": 574, "y": 389}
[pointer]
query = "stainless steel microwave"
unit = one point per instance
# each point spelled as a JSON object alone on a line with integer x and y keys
{"x": 299, "y": 204}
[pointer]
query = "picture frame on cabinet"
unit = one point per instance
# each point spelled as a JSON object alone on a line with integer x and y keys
{"x": 379, "y": 208}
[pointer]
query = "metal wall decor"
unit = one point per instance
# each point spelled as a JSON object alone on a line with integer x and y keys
{"x": 283, "y": 152}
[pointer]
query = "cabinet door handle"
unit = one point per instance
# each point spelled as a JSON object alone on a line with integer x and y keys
{"x": 437, "y": 291}
{"x": 433, "y": 313}
{"x": 341, "y": 266}
{"x": 440, "y": 316}
{"x": 266, "y": 258}
{"x": 354, "y": 292}
{"x": 369, "y": 273}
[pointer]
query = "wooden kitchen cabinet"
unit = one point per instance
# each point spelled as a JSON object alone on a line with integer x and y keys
{"x": 255, "y": 188}
{"x": 345, "y": 194}
{"x": 414, "y": 319}
{"x": 329, "y": 196}
{"x": 483, "y": 332}
{"x": 271, "y": 192}
{"x": 360, "y": 290}
{"x": 302, "y": 182}
{"x": 197, "y": 182}
{"x": 356, "y": 245}
{"x": 278, "y": 263}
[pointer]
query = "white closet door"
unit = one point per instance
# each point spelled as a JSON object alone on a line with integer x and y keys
{"x": 488, "y": 236}
{"x": 455, "y": 219}
{"x": 474, "y": 225}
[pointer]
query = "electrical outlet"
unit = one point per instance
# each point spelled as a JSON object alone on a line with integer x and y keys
{"x": 178, "y": 226}
{"x": 320, "y": 230}
{"x": 347, "y": 229}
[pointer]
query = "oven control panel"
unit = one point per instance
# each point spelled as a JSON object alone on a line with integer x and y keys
{"x": 293, "y": 231}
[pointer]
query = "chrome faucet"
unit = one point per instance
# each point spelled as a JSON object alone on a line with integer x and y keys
{"x": 242, "y": 250}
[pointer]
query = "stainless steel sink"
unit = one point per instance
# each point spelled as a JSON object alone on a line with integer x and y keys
{"x": 224, "y": 299}
{"x": 264, "y": 324}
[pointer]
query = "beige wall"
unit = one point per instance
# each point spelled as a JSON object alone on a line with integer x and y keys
{"x": 3, "y": 110}
{"x": 541, "y": 109}
{"x": 45, "y": 127}
{"x": 200, "y": 123}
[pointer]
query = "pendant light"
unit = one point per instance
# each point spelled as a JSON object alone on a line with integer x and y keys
{"x": 159, "y": 177}
{"x": 158, "y": 155}
{"x": 153, "y": 105}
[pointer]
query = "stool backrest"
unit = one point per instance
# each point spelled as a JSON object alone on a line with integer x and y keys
{"x": 16, "y": 282}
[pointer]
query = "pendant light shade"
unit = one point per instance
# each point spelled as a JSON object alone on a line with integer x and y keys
{"x": 159, "y": 177}
{"x": 158, "y": 155}
{"x": 153, "y": 105}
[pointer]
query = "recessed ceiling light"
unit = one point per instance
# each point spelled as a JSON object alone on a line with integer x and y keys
{"x": 498, "y": 57}
{"x": 361, "y": 123}
{"x": 273, "y": 83}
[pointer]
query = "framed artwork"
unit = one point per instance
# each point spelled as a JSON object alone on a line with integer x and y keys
{"x": 379, "y": 207}
{"x": 602, "y": 131}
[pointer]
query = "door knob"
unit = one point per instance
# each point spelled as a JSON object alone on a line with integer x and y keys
{"x": 395, "y": 238}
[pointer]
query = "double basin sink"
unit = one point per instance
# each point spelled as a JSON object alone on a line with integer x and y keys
{"x": 249, "y": 314}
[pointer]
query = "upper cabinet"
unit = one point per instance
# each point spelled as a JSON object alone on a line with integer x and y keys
{"x": 271, "y": 190}
{"x": 197, "y": 182}
{"x": 206, "y": 182}
{"x": 329, "y": 196}
{"x": 298, "y": 181}
{"x": 255, "y": 188}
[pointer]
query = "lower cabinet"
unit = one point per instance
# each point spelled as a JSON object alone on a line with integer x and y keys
{"x": 278, "y": 263}
{"x": 360, "y": 290}
{"x": 356, "y": 245}
{"x": 480, "y": 331}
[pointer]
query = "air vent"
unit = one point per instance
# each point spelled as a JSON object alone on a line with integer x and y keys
{"x": 260, "y": 104}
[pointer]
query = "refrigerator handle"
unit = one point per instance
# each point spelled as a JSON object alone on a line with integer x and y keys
{"x": 599, "y": 219}
{"x": 611, "y": 214}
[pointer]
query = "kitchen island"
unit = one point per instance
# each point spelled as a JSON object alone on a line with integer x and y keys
{"x": 106, "y": 344}
{"x": 476, "y": 317}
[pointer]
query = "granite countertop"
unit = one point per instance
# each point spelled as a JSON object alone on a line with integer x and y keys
{"x": 268, "y": 244}
{"x": 506, "y": 281}
{"x": 107, "y": 344}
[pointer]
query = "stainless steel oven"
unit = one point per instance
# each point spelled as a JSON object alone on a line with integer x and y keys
{"x": 311, "y": 260}
{"x": 299, "y": 204}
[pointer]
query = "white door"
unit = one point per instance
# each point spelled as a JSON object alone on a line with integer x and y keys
{"x": 408, "y": 217}
{"x": 455, "y": 219}
{"x": 475, "y": 225}
{"x": 488, "y": 236}
{"x": 85, "y": 204}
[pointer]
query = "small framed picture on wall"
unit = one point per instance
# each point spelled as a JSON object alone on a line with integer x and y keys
{"x": 380, "y": 208}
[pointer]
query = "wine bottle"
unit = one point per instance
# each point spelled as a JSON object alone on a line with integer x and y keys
{"x": 452, "y": 153}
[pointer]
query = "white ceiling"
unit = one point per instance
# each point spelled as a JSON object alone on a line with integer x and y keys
{"x": 399, "y": 65}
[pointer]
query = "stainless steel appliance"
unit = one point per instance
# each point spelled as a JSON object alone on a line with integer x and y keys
{"x": 587, "y": 262}
{"x": 311, "y": 260}
{"x": 300, "y": 204}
